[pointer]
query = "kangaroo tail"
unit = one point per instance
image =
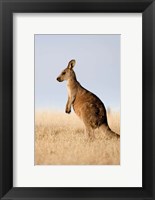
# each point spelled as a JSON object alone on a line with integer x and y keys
{"x": 106, "y": 129}
{"x": 114, "y": 133}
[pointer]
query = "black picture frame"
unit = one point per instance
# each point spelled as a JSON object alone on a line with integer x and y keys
{"x": 7, "y": 8}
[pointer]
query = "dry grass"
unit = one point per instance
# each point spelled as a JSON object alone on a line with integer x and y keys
{"x": 60, "y": 140}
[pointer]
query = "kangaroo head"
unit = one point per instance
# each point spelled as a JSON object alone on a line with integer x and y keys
{"x": 67, "y": 73}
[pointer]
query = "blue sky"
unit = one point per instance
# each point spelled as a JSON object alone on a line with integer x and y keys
{"x": 97, "y": 68}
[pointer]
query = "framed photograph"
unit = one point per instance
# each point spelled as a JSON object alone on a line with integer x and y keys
{"x": 56, "y": 125}
{"x": 77, "y": 99}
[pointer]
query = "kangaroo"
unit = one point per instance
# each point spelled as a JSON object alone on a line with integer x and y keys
{"x": 86, "y": 105}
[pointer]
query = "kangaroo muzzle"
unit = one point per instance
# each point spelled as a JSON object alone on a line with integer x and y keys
{"x": 59, "y": 79}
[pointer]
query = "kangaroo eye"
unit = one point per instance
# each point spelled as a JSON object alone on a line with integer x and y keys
{"x": 63, "y": 73}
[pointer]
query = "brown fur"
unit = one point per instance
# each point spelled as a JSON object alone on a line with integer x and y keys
{"x": 86, "y": 105}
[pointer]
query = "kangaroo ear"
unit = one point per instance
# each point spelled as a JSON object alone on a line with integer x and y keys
{"x": 71, "y": 64}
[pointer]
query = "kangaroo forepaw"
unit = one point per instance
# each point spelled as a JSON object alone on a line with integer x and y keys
{"x": 68, "y": 110}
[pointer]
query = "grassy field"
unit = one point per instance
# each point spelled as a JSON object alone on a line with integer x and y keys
{"x": 60, "y": 140}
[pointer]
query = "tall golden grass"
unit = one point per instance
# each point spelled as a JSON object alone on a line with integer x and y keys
{"x": 60, "y": 140}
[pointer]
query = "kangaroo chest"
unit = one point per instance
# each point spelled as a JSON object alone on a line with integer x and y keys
{"x": 72, "y": 90}
{"x": 69, "y": 91}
